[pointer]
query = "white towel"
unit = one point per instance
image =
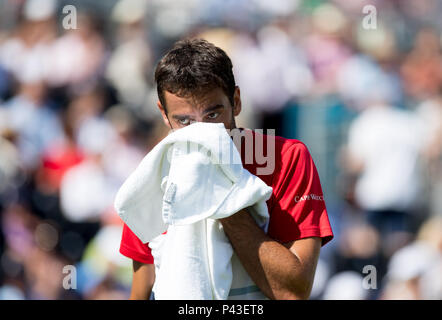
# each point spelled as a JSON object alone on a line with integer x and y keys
{"x": 184, "y": 184}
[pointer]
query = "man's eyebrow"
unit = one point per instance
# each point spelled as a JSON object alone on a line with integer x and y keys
{"x": 213, "y": 108}
{"x": 208, "y": 110}
{"x": 181, "y": 116}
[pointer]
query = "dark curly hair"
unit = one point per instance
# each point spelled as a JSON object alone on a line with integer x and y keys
{"x": 193, "y": 67}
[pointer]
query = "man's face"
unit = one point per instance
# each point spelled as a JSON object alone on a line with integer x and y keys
{"x": 211, "y": 106}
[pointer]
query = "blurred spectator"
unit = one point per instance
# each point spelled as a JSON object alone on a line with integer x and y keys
{"x": 359, "y": 245}
{"x": 25, "y": 54}
{"x": 89, "y": 177}
{"x": 414, "y": 270}
{"x": 406, "y": 268}
{"x": 384, "y": 149}
{"x": 104, "y": 140}
{"x": 325, "y": 48}
{"x": 105, "y": 267}
{"x": 35, "y": 123}
{"x": 130, "y": 63}
{"x": 58, "y": 158}
{"x": 422, "y": 69}
{"x": 346, "y": 285}
{"x": 78, "y": 56}
{"x": 272, "y": 59}
{"x": 124, "y": 154}
{"x": 361, "y": 82}
{"x": 9, "y": 159}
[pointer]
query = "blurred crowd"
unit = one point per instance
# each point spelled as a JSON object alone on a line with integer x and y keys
{"x": 362, "y": 89}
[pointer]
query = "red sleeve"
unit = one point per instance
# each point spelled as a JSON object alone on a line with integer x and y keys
{"x": 298, "y": 210}
{"x": 132, "y": 247}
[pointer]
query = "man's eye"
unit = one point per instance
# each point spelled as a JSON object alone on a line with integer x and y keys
{"x": 184, "y": 121}
{"x": 213, "y": 115}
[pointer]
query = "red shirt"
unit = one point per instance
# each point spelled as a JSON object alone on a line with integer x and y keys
{"x": 297, "y": 208}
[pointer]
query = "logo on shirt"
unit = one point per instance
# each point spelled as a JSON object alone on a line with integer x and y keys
{"x": 309, "y": 197}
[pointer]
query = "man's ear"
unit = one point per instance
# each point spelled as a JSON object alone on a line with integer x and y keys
{"x": 236, "y": 102}
{"x": 163, "y": 114}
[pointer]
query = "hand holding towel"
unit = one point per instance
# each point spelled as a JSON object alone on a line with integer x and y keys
{"x": 184, "y": 184}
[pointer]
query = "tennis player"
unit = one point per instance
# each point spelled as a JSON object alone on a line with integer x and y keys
{"x": 195, "y": 82}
